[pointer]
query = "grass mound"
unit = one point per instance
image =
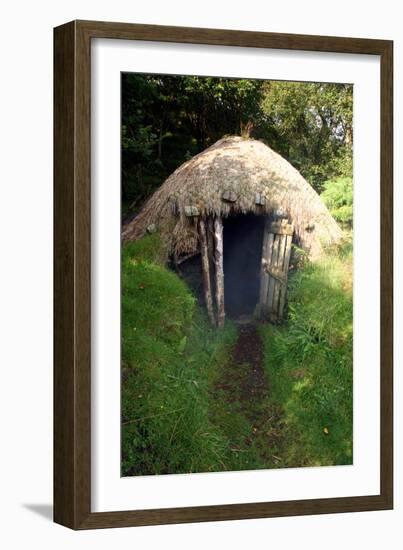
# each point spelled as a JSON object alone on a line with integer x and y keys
{"x": 168, "y": 353}
{"x": 185, "y": 388}
{"x": 309, "y": 363}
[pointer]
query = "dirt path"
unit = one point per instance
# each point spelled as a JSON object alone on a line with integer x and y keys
{"x": 246, "y": 367}
{"x": 244, "y": 386}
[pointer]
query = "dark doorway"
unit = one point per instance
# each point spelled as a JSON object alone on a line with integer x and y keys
{"x": 243, "y": 239}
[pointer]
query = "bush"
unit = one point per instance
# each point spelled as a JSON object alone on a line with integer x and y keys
{"x": 338, "y": 197}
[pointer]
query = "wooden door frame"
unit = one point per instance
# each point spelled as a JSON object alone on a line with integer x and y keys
{"x": 267, "y": 282}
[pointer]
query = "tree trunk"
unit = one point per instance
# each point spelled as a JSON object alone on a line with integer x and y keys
{"x": 219, "y": 271}
{"x": 206, "y": 271}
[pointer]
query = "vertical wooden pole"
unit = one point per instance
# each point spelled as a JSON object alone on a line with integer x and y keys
{"x": 219, "y": 271}
{"x": 210, "y": 246}
{"x": 210, "y": 239}
{"x": 278, "y": 266}
{"x": 272, "y": 281}
{"x": 210, "y": 250}
{"x": 287, "y": 256}
{"x": 206, "y": 271}
{"x": 264, "y": 275}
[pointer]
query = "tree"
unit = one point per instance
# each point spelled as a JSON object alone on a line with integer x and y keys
{"x": 168, "y": 119}
{"x": 310, "y": 124}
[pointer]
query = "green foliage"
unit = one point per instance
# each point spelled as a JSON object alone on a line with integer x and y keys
{"x": 309, "y": 364}
{"x": 310, "y": 124}
{"x": 338, "y": 197}
{"x": 168, "y": 353}
{"x": 149, "y": 249}
{"x": 166, "y": 120}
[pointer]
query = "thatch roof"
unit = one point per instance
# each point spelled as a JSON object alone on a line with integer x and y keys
{"x": 234, "y": 175}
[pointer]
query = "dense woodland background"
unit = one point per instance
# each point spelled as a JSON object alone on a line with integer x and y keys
{"x": 168, "y": 119}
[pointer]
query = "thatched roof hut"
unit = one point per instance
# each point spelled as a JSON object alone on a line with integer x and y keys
{"x": 234, "y": 175}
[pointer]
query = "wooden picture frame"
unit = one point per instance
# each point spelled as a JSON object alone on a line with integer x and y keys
{"x": 72, "y": 269}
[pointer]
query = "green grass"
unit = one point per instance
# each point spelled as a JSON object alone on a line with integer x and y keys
{"x": 251, "y": 427}
{"x": 168, "y": 354}
{"x": 309, "y": 364}
{"x": 183, "y": 409}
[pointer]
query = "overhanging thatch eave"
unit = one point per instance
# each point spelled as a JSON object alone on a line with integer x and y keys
{"x": 225, "y": 179}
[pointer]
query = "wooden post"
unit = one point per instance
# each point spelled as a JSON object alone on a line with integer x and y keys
{"x": 272, "y": 281}
{"x": 210, "y": 249}
{"x": 206, "y": 271}
{"x": 287, "y": 256}
{"x": 219, "y": 271}
{"x": 278, "y": 266}
{"x": 264, "y": 275}
{"x": 210, "y": 240}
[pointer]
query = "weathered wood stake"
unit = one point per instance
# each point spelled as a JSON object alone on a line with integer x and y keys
{"x": 210, "y": 249}
{"x": 219, "y": 271}
{"x": 206, "y": 271}
{"x": 210, "y": 242}
{"x": 264, "y": 275}
{"x": 287, "y": 256}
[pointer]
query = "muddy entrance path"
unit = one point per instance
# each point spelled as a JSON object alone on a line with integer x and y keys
{"x": 244, "y": 385}
{"x": 246, "y": 366}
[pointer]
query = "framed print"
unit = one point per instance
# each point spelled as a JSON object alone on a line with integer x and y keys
{"x": 223, "y": 275}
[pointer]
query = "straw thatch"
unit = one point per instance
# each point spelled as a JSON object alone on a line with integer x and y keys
{"x": 234, "y": 175}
